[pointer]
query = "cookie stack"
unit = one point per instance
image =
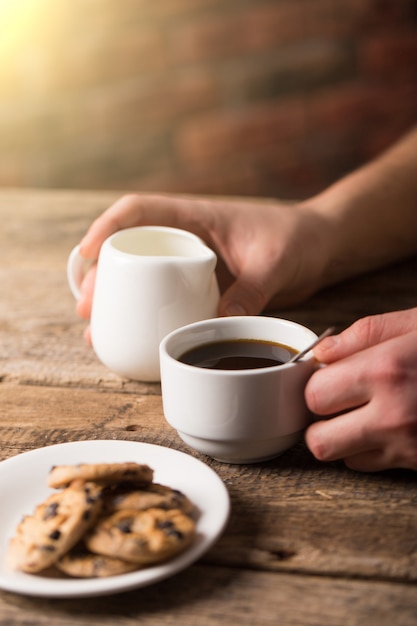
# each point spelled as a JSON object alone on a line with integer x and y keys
{"x": 104, "y": 519}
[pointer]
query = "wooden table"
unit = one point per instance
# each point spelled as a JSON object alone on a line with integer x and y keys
{"x": 307, "y": 543}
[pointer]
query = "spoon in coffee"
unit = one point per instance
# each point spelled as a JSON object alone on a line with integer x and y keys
{"x": 303, "y": 352}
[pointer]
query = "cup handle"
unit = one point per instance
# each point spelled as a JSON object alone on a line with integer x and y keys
{"x": 76, "y": 270}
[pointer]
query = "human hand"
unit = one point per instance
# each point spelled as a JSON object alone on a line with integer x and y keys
{"x": 369, "y": 383}
{"x": 269, "y": 253}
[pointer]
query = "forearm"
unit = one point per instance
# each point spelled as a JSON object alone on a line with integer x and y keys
{"x": 370, "y": 216}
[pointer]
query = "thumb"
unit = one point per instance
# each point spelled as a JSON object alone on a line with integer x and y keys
{"x": 243, "y": 298}
{"x": 364, "y": 333}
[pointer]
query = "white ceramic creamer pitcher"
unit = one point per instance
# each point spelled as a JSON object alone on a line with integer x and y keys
{"x": 150, "y": 280}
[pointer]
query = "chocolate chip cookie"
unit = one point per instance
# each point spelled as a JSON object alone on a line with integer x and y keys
{"x": 124, "y": 496}
{"x": 81, "y": 563}
{"x": 142, "y": 537}
{"x": 63, "y": 475}
{"x": 56, "y": 525}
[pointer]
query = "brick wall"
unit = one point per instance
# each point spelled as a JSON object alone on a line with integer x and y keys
{"x": 267, "y": 97}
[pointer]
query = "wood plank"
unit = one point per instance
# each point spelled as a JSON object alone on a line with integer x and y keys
{"x": 307, "y": 543}
{"x": 209, "y": 596}
{"x": 37, "y": 313}
{"x": 37, "y": 310}
{"x": 291, "y": 514}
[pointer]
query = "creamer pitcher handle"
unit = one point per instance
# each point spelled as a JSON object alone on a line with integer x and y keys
{"x": 76, "y": 270}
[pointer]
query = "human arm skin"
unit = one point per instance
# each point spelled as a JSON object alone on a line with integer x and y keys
{"x": 371, "y": 214}
{"x": 274, "y": 254}
{"x": 264, "y": 248}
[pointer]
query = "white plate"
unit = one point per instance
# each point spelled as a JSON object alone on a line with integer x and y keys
{"x": 23, "y": 486}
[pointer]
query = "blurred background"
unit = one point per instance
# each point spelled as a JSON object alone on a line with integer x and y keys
{"x": 246, "y": 97}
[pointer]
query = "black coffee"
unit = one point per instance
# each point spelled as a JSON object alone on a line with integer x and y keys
{"x": 238, "y": 354}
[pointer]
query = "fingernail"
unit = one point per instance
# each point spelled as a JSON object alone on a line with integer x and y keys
{"x": 234, "y": 308}
{"x": 328, "y": 343}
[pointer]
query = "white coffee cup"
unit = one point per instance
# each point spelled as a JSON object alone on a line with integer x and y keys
{"x": 150, "y": 280}
{"x": 237, "y": 416}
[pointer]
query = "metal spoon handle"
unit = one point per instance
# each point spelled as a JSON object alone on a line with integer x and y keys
{"x": 299, "y": 355}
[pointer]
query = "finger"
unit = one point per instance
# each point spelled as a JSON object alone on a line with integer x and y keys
{"x": 87, "y": 335}
{"x": 122, "y": 214}
{"x": 84, "y": 303}
{"x": 369, "y": 461}
{"x": 364, "y": 333}
{"x": 339, "y": 386}
{"x": 242, "y": 298}
{"x": 255, "y": 285}
{"x": 134, "y": 210}
{"x": 341, "y": 437}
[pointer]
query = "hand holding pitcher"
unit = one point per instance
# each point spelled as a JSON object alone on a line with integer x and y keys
{"x": 150, "y": 280}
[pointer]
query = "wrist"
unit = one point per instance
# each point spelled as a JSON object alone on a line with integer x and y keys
{"x": 325, "y": 259}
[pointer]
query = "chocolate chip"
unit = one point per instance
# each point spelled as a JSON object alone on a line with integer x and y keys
{"x": 90, "y": 499}
{"x": 48, "y": 548}
{"x": 165, "y": 525}
{"x": 125, "y": 526}
{"x": 55, "y": 535}
{"x": 173, "y": 532}
{"x": 169, "y": 529}
{"x": 98, "y": 564}
{"x": 51, "y": 510}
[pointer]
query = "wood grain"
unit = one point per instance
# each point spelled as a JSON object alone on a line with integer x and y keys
{"x": 290, "y": 514}
{"x": 210, "y": 596}
{"x": 307, "y": 543}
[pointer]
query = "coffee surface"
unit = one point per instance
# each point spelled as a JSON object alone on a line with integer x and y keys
{"x": 238, "y": 354}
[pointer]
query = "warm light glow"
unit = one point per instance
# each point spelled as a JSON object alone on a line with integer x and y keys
{"x": 24, "y": 35}
{"x": 17, "y": 19}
